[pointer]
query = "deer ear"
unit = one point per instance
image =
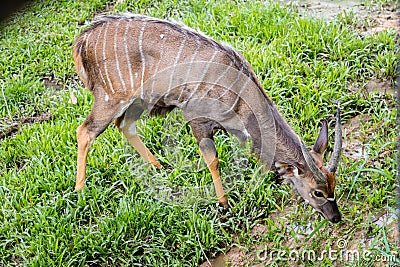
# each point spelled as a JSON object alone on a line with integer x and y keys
{"x": 288, "y": 170}
{"x": 322, "y": 141}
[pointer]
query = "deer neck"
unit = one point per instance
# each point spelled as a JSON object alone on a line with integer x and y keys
{"x": 274, "y": 140}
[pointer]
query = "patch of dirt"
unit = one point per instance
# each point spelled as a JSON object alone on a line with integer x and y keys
{"x": 353, "y": 145}
{"x": 384, "y": 21}
{"x": 380, "y": 86}
{"x": 374, "y": 85}
{"x": 376, "y": 18}
{"x": 326, "y": 9}
{"x": 234, "y": 257}
{"x": 52, "y": 83}
{"x": 13, "y": 127}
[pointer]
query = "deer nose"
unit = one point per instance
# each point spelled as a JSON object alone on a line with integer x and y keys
{"x": 336, "y": 219}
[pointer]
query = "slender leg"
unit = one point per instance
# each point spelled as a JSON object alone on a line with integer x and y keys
{"x": 209, "y": 153}
{"x": 97, "y": 121}
{"x": 129, "y": 131}
{"x": 128, "y": 127}
{"x": 203, "y": 132}
{"x": 86, "y": 134}
{"x": 84, "y": 141}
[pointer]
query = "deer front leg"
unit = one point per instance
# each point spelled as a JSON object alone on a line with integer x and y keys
{"x": 209, "y": 153}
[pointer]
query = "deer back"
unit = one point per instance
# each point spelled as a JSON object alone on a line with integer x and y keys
{"x": 120, "y": 54}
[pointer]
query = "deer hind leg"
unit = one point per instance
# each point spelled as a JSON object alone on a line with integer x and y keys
{"x": 99, "y": 118}
{"x": 203, "y": 134}
{"x": 127, "y": 124}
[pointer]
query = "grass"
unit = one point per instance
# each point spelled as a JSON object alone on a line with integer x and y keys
{"x": 123, "y": 217}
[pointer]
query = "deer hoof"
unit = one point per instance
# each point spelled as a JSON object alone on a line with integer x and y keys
{"x": 223, "y": 202}
{"x": 79, "y": 187}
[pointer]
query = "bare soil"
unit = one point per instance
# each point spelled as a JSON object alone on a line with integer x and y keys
{"x": 375, "y": 18}
{"x": 13, "y": 127}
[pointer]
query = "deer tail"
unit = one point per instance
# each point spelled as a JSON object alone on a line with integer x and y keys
{"x": 79, "y": 61}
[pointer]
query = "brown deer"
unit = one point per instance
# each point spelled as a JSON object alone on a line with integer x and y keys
{"x": 133, "y": 63}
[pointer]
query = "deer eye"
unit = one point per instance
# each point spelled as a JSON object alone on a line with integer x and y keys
{"x": 318, "y": 194}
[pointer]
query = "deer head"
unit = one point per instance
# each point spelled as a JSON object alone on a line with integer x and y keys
{"x": 314, "y": 181}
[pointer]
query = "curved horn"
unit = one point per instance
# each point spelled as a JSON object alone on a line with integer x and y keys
{"x": 318, "y": 175}
{"x": 337, "y": 147}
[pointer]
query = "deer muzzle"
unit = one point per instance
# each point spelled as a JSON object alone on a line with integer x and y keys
{"x": 330, "y": 211}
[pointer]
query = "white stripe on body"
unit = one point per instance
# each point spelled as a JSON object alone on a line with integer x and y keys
{"x": 190, "y": 66}
{"x": 238, "y": 95}
{"x": 128, "y": 61}
{"x": 82, "y": 69}
{"x": 182, "y": 45}
{"x": 204, "y": 74}
{"x": 80, "y": 47}
{"x": 116, "y": 57}
{"x": 87, "y": 42}
{"x": 105, "y": 58}
{"x": 240, "y": 73}
{"x": 95, "y": 56}
{"x": 164, "y": 38}
{"x": 228, "y": 67}
{"x": 142, "y": 56}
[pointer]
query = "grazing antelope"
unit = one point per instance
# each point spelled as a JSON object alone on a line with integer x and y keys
{"x": 133, "y": 63}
